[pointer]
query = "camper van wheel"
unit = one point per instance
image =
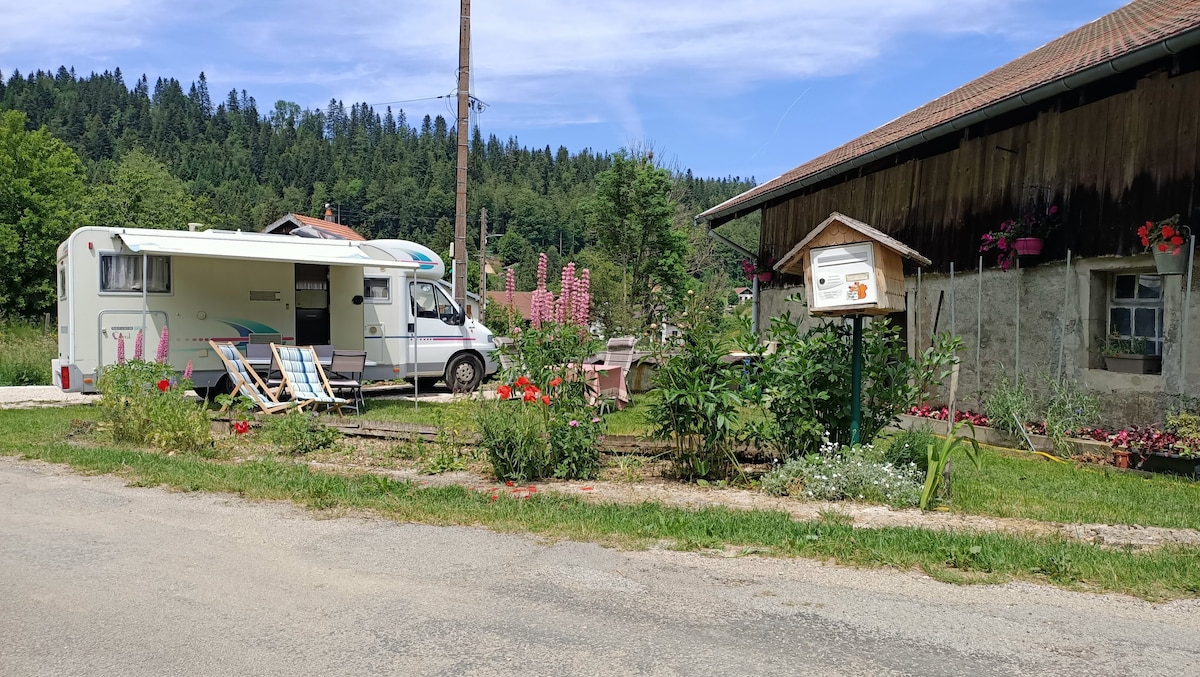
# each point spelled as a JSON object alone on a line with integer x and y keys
{"x": 464, "y": 373}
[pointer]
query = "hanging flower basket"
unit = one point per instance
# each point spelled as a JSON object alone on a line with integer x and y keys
{"x": 1028, "y": 246}
{"x": 1171, "y": 264}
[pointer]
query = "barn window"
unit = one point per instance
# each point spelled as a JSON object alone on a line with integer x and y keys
{"x": 1135, "y": 309}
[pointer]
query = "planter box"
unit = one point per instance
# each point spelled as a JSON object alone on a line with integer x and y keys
{"x": 1168, "y": 464}
{"x": 1134, "y": 364}
{"x": 996, "y": 438}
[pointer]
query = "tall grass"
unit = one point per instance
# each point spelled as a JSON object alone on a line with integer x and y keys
{"x": 26, "y": 349}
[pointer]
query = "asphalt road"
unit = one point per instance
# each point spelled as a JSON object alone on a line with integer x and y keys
{"x": 97, "y": 578}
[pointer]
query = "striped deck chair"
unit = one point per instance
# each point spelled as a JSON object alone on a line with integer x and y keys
{"x": 304, "y": 378}
{"x": 245, "y": 380}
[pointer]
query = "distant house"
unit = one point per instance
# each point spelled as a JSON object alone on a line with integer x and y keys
{"x": 744, "y": 294}
{"x": 307, "y": 226}
{"x": 522, "y": 302}
{"x": 1103, "y": 126}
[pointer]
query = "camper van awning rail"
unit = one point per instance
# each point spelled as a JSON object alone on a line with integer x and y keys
{"x": 253, "y": 247}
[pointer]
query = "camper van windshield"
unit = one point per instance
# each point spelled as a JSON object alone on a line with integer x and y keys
{"x": 123, "y": 272}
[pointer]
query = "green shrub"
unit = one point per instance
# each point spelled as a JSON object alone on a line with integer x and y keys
{"x": 910, "y": 447}
{"x": 299, "y": 432}
{"x": 1009, "y": 406}
{"x": 1068, "y": 409}
{"x": 26, "y": 350}
{"x": 144, "y": 403}
{"x": 514, "y": 435}
{"x": 575, "y": 445}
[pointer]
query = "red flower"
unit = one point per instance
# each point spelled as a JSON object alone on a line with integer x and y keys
{"x": 1168, "y": 232}
{"x": 555, "y": 382}
{"x": 522, "y": 382}
{"x": 530, "y": 396}
{"x": 241, "y": 427}
{"x": 1177, "y": 241}
{"x": 1162, "y": 247}
{"x": 532, "y": 388}
{"x": 504, "y": 392}
{"x": 546, "y": 400}
{"x": 164, "y": 385}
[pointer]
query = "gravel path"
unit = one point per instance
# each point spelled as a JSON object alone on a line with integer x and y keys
{"x": 102, "y": 578}
{"x": 20, "y": 397}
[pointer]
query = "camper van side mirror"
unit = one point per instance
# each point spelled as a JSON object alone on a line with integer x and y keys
{"x": 457, "y": 318}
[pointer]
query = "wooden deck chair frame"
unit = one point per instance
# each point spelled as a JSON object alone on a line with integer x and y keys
{"x": 292, "y": 384}
{"x": 267, "y": 401}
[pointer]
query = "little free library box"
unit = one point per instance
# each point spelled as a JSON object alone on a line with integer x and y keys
{"x": 850, "y": 268}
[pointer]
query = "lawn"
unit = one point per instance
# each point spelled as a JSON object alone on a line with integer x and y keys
{"x": 1170, "y": 572}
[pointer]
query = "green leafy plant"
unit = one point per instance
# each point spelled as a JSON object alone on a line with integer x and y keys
{"x": 698, "y": 404}
{"x": 910, "y": 446}
{"x": 1068, "y": 408}
{"x": 1009, "y": 406}
{"x": 513, "y": 433}
{"x": 1115, "y": 345}
{"x": 575, "y": 442}
{"x": 299, "y": 432}
{"x": 938, "y": 455}
{"x": 847, "y": 473}
{"x": 144, "y": 403}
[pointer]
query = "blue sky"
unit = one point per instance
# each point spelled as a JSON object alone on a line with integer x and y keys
{"x": 723, "y": 87}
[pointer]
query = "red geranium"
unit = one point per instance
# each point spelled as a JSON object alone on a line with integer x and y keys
{"x": 530, "y": 396}
{"x": 164, "y": 385}
{"x": 241, "y": 427}
{"x": 504, "y": 392}
{"x": 1166, "y": 236}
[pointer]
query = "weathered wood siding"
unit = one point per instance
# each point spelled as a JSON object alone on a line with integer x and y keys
{"x": 1111, "y": 157}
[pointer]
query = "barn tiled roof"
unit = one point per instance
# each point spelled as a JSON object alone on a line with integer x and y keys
{"x": 522, "y": 301}
{"x": 1134, "y": 26}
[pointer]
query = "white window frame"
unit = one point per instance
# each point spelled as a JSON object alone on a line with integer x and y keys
{"x": 133, "y": 292}
{"x": 387, "y": 289}
{"x": 1155, "y": 343}
{"x": 62, "y": 280}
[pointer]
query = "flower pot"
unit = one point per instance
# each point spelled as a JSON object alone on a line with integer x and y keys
{"x": 1134, "y": 364}
{"x": 764, "y": 277}
{"x": 1171, "y": 264}
{"x": 1028, "y": 246}
{"x": 1120, "y": 458}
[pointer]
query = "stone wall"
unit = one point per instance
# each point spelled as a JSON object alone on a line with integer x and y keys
{"x": 1063, "y": 321}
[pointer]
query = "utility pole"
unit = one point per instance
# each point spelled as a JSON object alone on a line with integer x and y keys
{"x": 460, "y": 199}
{"x": 482, "y": 262}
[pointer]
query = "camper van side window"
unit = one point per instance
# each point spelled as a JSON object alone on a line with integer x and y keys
{"x": 123, "y": 273}
{"x": 62, "y": 280}
{"x": 377, "y": 289}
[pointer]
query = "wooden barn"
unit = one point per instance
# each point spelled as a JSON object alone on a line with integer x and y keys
{"x": 1101, "y": 127}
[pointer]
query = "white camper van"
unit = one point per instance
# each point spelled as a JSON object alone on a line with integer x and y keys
{"x": 382, "y": 296}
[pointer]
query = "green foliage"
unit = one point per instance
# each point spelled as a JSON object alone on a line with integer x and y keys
{"x": 1009, "y": 407}
{"x": 514, "y": 436}
{"x": 299, "y": 432}
{"x": 41, "y": 182}
{"x": 575, "y": 442}
{"x": 632, "y": 217}
{"x": 1068, "y": 408}
{"x": 142, "y": 193}
{"x": 555, "y": 352}
{"x": 25, "y": 353}
{"x": 938, "y": 456}
{"x": 806, "y": 383}
{"x": 138, "y": 409}
{"x": 850, "y": 473}
{"x": 910, "y": 446}
{"x": 698, "y": 408}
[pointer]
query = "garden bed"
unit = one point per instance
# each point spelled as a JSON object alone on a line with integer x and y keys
{"x": 1087, "y": 449}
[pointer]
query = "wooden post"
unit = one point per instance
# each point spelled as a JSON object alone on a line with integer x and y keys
{"x": 482, "y": 262}
{"x": 460, "y": 196}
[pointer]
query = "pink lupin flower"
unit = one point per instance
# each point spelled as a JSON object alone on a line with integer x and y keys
{"x": 120, "y": 349}
{"x": 187, "y": 371}
{"x": 510, "y": 287}
{"x": 583, "y": 298}
{"x": 139, "y": 344}
{"x": 164, "y": 347}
